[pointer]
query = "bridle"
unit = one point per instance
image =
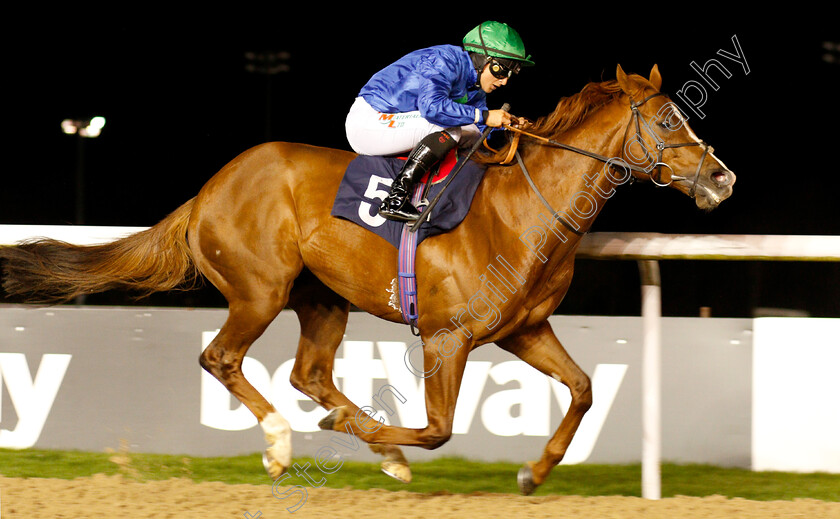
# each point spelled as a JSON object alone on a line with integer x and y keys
{"x": 661, "y": 146}
{"x": 656, "y": 165}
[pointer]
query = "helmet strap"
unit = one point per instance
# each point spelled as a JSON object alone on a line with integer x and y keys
{"x": 479, "y": 62}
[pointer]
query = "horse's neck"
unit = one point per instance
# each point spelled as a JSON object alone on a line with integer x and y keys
{"x": 575, "y": 186}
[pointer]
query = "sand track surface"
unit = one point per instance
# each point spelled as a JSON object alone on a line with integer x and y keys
{"x": 118, "y": 497}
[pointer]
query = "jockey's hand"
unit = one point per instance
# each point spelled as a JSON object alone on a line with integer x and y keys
{"x": 518, "y": 122}
{"x": 498, "y": 118}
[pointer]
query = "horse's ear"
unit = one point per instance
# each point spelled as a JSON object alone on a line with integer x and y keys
{"x": 655, "y": 77}
{"x": 624, "y": 81}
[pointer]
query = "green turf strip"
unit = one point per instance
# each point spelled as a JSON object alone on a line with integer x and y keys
{"x": 444, "y": 475}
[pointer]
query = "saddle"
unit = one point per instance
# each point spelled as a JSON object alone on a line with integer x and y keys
{"x": 367, "y": 181}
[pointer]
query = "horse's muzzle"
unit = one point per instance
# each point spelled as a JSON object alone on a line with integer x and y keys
{"x": 713, "y": 187}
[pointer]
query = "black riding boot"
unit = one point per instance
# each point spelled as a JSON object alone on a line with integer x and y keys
{"x": 426, "y": 155}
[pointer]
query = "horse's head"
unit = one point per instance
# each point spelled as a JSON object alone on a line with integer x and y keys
{"x": 660, "y": 146}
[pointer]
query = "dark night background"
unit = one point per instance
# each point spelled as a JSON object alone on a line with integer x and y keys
{"x": 180, "y": 104}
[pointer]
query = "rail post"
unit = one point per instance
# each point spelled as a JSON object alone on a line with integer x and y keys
{"x": 651, "y": 378}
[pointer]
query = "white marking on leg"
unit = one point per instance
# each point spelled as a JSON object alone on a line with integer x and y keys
{"x": 278, "y": 435}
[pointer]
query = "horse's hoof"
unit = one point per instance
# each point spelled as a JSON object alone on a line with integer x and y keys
{"x": 328, "y": 422}
{"x": 399, "y": 471}
{"x": 274, "y": 468}
{"x": 525, "y": 480}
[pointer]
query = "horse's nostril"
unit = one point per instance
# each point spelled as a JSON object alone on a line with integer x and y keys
{"x": 720, "y": 177}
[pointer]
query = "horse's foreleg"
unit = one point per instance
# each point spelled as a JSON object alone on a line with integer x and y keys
{"x": 441, "y": 388}
{"x": 323, "y": 319}
{"x": 539, "y": 347}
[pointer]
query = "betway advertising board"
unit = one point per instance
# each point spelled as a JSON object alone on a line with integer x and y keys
{"x": 93, "y": 378}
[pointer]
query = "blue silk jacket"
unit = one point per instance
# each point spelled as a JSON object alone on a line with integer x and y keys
{"x": 436, "y": 81}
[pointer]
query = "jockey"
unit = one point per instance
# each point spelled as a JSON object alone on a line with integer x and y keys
{"x": 429, "y": 101}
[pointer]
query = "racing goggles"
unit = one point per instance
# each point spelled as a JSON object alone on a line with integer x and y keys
{"x": 504, "y": 68}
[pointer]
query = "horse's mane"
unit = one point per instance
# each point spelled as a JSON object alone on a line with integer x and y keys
{"x": 570, "y": 112}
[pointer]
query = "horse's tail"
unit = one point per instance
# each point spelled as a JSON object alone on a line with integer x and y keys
{"x": 48, "y": 271}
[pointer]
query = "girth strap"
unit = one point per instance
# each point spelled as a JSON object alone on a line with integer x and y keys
{"x": 406, "y": 275}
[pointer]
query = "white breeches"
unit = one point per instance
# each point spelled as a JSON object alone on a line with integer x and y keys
{"x": 370, "y": 132}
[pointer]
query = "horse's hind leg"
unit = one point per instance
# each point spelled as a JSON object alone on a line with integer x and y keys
{"x": 539, "y": 347}
{"x": 323, "y": 318}
{"x": 223, "y": 359}
{"x": 442, "y": 383}
{"x": 256, "y": 290}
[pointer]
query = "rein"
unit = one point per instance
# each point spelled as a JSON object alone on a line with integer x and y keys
{"x": 657, "y": 164}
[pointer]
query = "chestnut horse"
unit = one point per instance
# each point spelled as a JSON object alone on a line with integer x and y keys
{"x": 260, "y": 230}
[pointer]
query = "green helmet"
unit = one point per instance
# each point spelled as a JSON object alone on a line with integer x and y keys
{"x": 498, "y": 40}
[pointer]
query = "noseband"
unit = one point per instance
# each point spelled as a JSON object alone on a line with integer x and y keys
{"x": 656, "y": 165}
